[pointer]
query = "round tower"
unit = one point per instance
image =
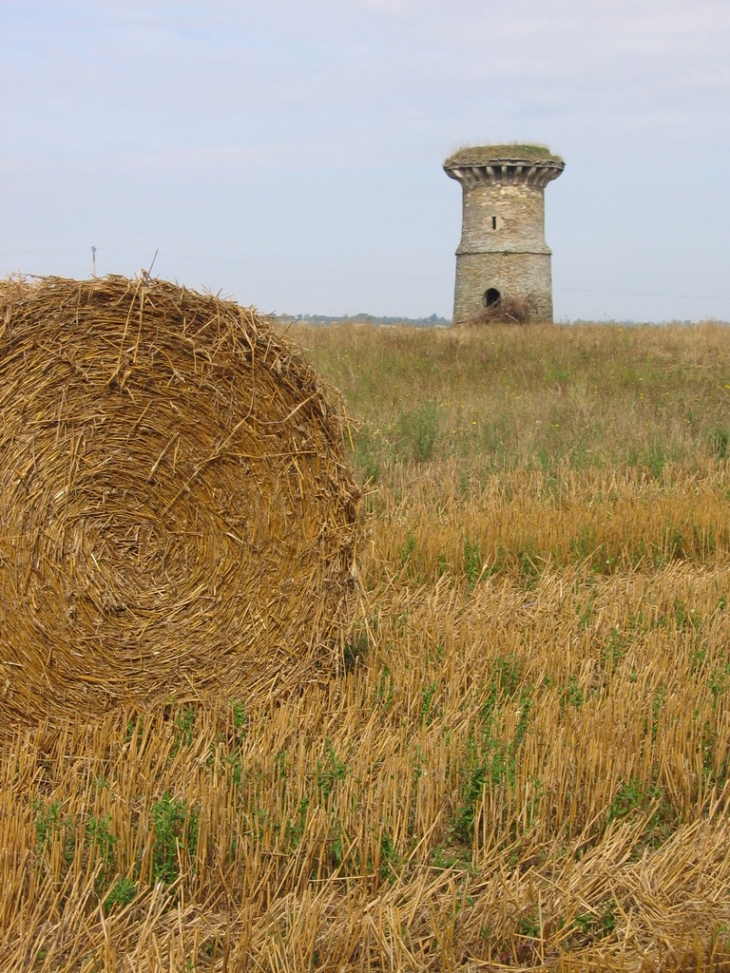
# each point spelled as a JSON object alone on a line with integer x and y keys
{"x": 502, "y": 260}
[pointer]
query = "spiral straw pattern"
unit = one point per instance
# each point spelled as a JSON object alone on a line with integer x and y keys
{"x": 177, "y": 516}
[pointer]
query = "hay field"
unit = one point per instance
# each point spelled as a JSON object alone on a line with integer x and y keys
{"x": 524, "y": 761}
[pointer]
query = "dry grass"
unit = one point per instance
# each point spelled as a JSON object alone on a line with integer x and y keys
{"x": 506, "y": 152}
{"x": 525, "y": 762}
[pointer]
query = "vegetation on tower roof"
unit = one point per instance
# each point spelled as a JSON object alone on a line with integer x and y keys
{"x": 480, "y": 155}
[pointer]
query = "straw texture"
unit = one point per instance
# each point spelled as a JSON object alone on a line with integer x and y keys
{"x": 176, "y": 513}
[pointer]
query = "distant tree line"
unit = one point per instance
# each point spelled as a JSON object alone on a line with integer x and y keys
{"x": 431, "y": 321}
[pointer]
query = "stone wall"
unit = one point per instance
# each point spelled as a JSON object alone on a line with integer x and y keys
{"x": 503, "y": 247}
{"x": 518, "y": 212}
{"x": 521, "y": 275}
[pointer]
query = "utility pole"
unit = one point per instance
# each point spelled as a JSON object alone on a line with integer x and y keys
{"x": 93, "y": 261}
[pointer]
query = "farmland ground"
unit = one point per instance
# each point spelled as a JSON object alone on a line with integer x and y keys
{"x": 525, "y": 760}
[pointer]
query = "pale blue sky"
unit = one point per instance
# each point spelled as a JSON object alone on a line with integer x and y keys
{"x": 288, "y": 153}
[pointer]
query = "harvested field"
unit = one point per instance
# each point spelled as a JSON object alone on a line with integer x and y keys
{"x": 524, "y": 761}
{"x": 176, "y": 513}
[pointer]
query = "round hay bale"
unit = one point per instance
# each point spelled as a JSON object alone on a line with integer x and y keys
{"x": 177, "y": 516}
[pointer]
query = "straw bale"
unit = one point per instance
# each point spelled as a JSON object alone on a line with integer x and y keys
{"x": 176, "y": 512}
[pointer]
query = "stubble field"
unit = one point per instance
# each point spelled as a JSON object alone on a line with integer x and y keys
{"x": 524, "y": 761}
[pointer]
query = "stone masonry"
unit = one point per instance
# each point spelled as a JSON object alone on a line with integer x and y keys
{"x": 502, "y": 256}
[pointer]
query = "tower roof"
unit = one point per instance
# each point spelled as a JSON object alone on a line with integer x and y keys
{"x": 505, "y": 153}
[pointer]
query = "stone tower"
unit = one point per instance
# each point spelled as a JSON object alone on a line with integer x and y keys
{"x": 502, "y": 259}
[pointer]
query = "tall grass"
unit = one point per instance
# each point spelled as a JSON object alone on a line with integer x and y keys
{"x": 525, "y": 760}
{"x": 541, "y": 397}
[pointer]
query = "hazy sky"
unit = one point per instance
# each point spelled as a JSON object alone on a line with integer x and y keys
{"x": 288, "y": 152}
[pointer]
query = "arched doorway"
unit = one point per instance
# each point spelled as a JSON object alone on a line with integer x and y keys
{"x": 492, "y": 297}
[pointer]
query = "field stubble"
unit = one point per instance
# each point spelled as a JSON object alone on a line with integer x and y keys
{"x": 525, "y": 760}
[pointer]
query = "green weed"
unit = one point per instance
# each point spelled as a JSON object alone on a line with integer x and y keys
{"x": 331, "y": 771}
{"x": 122, "y": 893}
{"x": 175, "y": 834}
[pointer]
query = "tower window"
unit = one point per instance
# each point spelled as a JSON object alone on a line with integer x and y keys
{"x": 494, "y": 222}
{"x": 492, "y": 297}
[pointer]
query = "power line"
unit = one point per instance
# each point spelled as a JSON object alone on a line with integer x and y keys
{"x": 278, "y": 265}
{"x": 693, "y": 297}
